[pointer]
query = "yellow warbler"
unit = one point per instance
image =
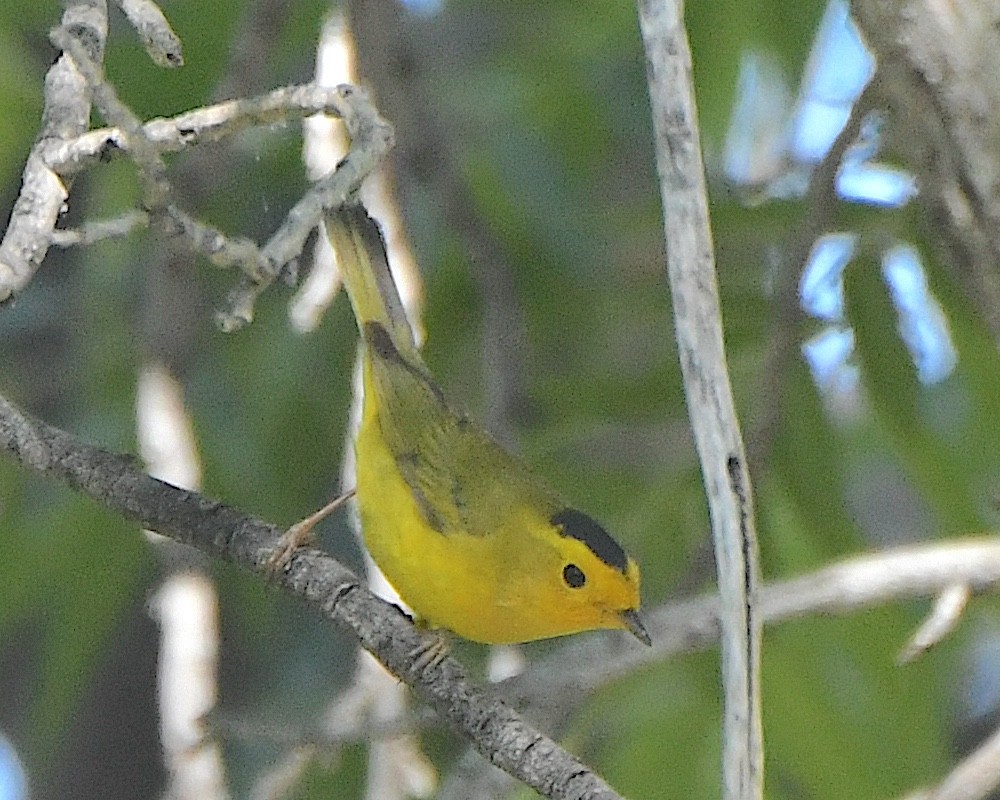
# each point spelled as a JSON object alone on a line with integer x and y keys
{"x": 470, "y": 539}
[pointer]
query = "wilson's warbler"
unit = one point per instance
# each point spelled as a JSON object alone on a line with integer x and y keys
{"x": 470, "y": 539}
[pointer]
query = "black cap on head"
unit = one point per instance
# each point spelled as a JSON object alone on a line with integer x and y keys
{"x": 579, "y": 526}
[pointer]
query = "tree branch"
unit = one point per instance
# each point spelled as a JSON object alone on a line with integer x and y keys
{"x": 43, "y": 189}
{"x": 206, "y": 124}
{"x": 119, "y": 484}
{"x": 938, "y": 63}
{"x": 161, "y": 43}
{"x": 371, "y": 138}
{"x": 65, "y": 154}
{"x": 975, "y": 777}
{"x": 698, "y": 323}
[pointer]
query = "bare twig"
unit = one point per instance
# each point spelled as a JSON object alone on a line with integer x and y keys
{"x": 159, "y": 39}
{"x": 370, "y": 135}
{"x": 157, "y": 192}
{"x": 691, "y": 270}
{"x": 202, "y": 125}
{"x": 152, "y": 169}
{"x": 324, "y": 143}
{"x": 58, "y": 158}
{"x": 99, "y": 230}
{"x": 783, "y": 339}
{"x": 118, "y": 484}
{"x": 943, "y": 619}
{"x": 371, "y": 139}
{"x": 43, "y": 189}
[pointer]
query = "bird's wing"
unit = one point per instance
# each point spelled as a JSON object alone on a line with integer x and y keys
{"x": 462, "y": 480}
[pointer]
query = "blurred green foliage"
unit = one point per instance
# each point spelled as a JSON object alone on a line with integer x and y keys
{"x": 549, "y": 116}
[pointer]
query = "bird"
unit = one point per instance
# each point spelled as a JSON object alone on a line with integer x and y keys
{"x": 470, "y": 538}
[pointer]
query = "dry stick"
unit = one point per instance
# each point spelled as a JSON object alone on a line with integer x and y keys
{"x": 690, "y": 268}
{"x": 161, "y": 43}
{"x": 783, "y": 341}
{"x": 189, "y": 129}
{"x": 98, "y": 230}
{"x": 943, "y": 619}
{"x": 152, "y": 168}
{"x": 157, "y": 197}
{"x": 65, "y": 154}
{"x": 43, "y": 189}
{"x": 207, "y": 124}
{"x": 371, "y": 139}
{"x": 119, "y": 484}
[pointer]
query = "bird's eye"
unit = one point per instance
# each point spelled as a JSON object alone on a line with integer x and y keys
{"x": 574, "y": 576}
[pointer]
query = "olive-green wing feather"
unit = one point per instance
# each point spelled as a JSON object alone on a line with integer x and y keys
{"x": 461, "y": 478}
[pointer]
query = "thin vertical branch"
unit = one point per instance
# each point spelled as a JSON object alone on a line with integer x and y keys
{"x": 691, "y": 270}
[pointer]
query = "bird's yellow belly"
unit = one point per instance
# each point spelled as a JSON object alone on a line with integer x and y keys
{"x": 454, "y": 580}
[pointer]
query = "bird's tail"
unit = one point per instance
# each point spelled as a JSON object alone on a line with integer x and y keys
{"x": 364, "y": 268}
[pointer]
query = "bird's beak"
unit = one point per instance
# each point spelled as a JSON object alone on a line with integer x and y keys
{"x": 631, "y": 620}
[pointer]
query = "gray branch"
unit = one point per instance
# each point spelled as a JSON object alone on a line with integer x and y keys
{"x": 939, "y": 63}
{"x": 162, "y": 45}
{"x": 698, "y": 322}
{"x": 43, "y": 189}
